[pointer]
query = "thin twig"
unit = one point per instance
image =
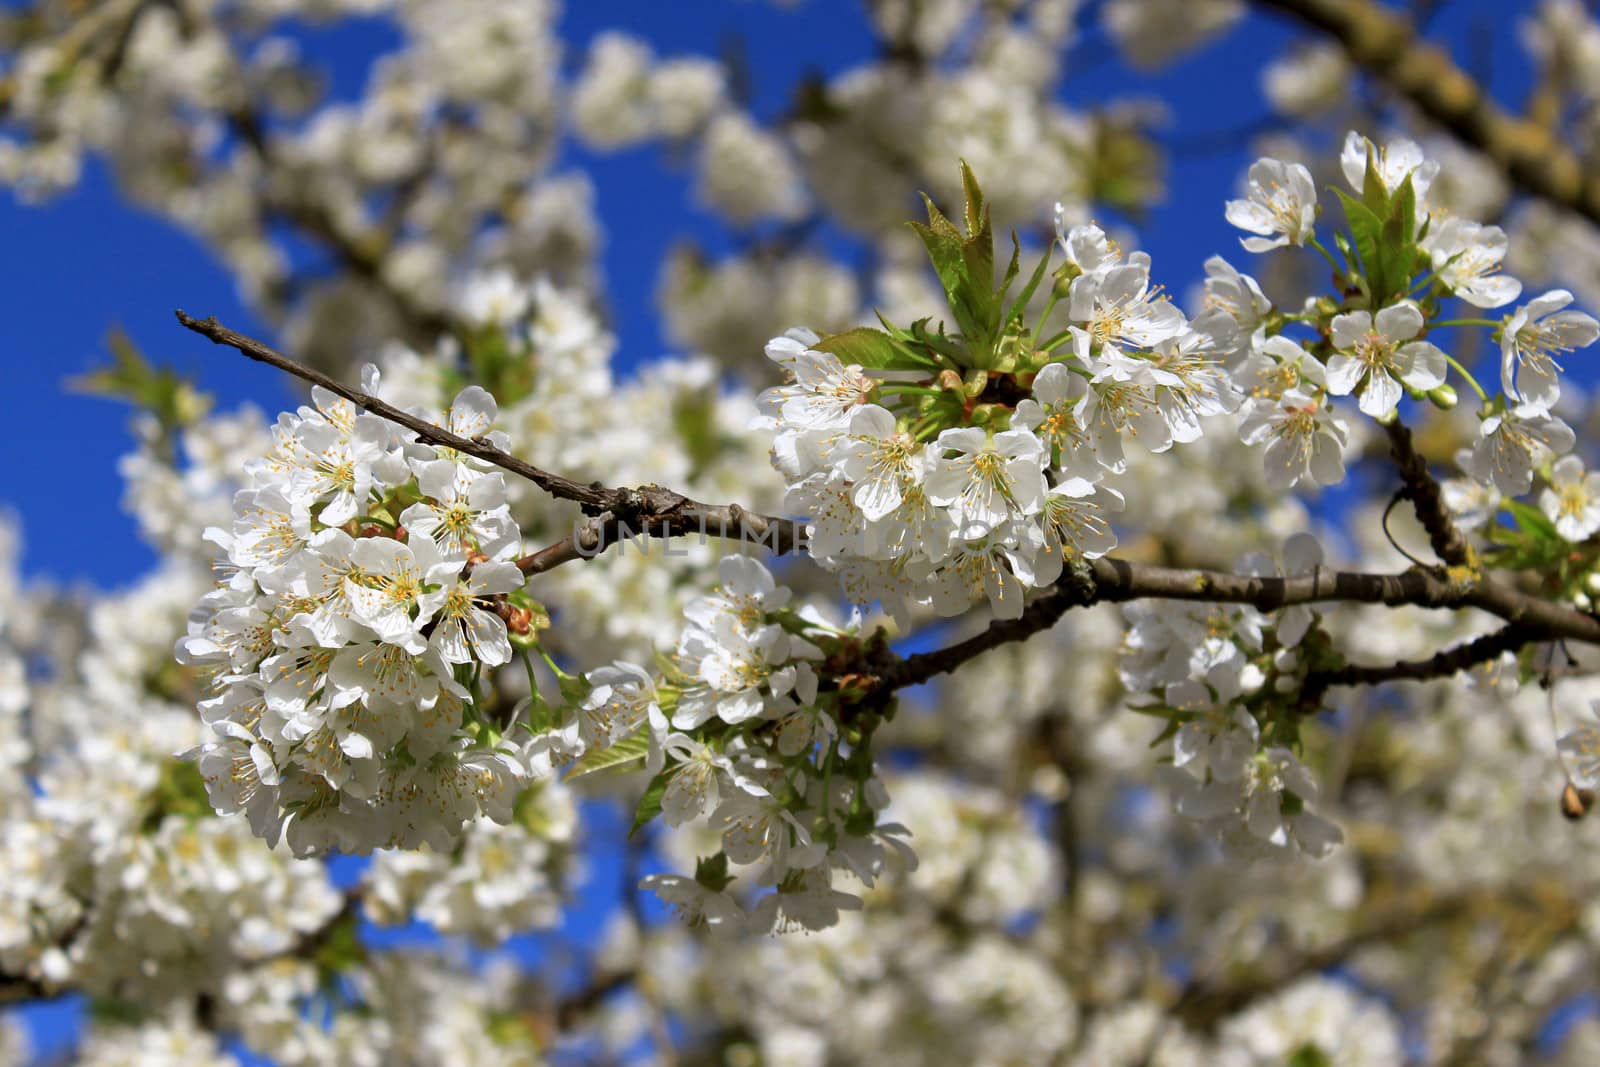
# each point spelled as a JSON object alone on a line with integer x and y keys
{"x": 648, "y": 510}
{"x": 1427, "y": 499}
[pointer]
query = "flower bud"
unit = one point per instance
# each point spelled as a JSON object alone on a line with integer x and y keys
{"x": 1575, "y": 802}
{"x": 1443, "y": 397}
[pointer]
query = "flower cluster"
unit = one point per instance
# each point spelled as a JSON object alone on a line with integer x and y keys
{"x": 1376, "y": 350}
{"x": 736, "y": 733}
{"x": 1228, "y": 679}
{"x": 984, "y": 477}
{"x": 367, "y": 573}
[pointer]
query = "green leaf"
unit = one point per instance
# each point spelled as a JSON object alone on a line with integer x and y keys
{"x": 712, "y": 872}
{"x": 134, "y": 379}
{"x": 1404, "y": 208}
{"x": 339, "y": 947}
{"x": 650, "y": 804}
{"x": 1533, "y": 522}
{"x": 977, "y": 210}
{"x": 1367, "y": 229}
{"x": 1019, "y": 306}
{"x": 1373, "y": 193}
{"x": 631, "y": 749}
{"x": 1308, "y": 1056}
{"x": 866, "y": 347}
{"x": 943, "y": 242}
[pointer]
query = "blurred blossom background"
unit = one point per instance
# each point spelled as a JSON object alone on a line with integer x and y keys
{"x": 661, "y": 188}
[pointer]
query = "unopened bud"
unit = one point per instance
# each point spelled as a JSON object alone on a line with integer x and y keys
{"x": 1593, "y": 581}
{"x": 1443, "y": 397}
{"x": 1575, "y": 802}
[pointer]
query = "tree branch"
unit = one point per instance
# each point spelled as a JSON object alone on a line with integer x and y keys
{"x": 1425, "y": 496}
{"x": 1115, "y": 580}
{"x": 1440, "y": 665}
{"x": 619, "y": 514}
{"x": 645, "y": 510}
{"x": 1386, "y": 46}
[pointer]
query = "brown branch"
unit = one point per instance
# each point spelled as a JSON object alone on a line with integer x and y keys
{"x": 1427, "y": 499}
{"x": 1443, "y": 664}
{"x": 1115, "y": 580}
{"x": 648, "y": 510}
{"x": 1385, "y": 45}
{"x": 619, "y": 514}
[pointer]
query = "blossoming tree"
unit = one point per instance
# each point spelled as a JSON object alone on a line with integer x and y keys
{"x": 1013, "y": 666}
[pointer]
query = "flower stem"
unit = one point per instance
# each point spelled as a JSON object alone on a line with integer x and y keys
{"x": 1483, "y": 396}
{"x": 1327, "y": 255}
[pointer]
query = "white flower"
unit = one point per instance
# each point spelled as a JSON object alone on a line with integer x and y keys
{"x": 1236, "y": 295}
{"x": 1582, "y": 745}
{"x": 1116, "y": 406}
{"x": 1275, "y": 811}
{"x": 1074, "y": 527}
{"x": 695, "y": 783}
{"x": 1277, "y": 365}
{"x": 1118, "y": 307}
{"x": 745, "y": 592}
{"x": 327, "y": 463}
{"x": 991, "y": 478}
{"x": 1378, "y": 355}
{"x": 493, "y": 298}
{"x": 995, "y": 567}
{"x": 732, "y": 666}
{"x": 464, "y": 630}
{"x": 879, "y": 459}
{"x": 1051, "y": 415}
{"x": 1281, "y": 206}
{"x": 1302, "y": 554}
{"x": 268, "y": 529}
{"x": 761, "y": 828}
{"x": 1466, "y": 256}
{"x": 1573, "y": 500}
{"x": 1304, "y": 439}
{"x": 824, "y": 394}
{"x": 1470, "y": 501}
{"x": 812, "y": 905}
{"x": 1512, "y": 443}
{"x": 465, "y": 511}
{"x": 1531, "y": 339}
{"x": 1188, "y": 380}
{"x": 1085, "y": 246}
{"x": 395, "y": 589}
{"x": 695, "y": 904}
{"x": 1218, "y": 742}
{"x": 1395, "y": 160}
{"x": 621, "y": 701}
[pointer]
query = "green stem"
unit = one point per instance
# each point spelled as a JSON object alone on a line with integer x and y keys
{"x": 1049, "y": 306}
{"x": 1462, "y": 322}
{"x": 533, "y": 679}
{"x": 1055, "y": 341}
{"x": 1483, "y": 396}
{"x": 1327, "y": 255}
